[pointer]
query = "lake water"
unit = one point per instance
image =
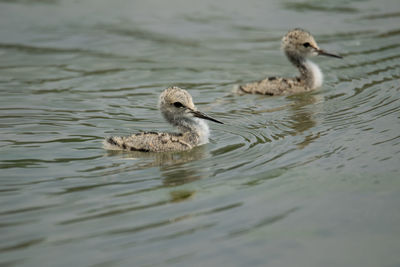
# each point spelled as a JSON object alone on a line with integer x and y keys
{"x": 306, "y": 180}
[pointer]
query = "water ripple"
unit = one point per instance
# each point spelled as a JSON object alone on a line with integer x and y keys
{"x": 275, "y": 165}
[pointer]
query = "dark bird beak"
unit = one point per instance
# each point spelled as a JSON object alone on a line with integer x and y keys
{"x": 201, "y": 115}
{"x": 324, "y": 53}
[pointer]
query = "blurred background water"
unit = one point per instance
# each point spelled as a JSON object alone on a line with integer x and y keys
{"x": 305, "y": 180}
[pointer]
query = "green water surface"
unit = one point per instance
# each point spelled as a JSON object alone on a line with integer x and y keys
{"x": 306, "y": 180}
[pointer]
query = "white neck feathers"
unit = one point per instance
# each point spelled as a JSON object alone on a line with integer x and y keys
{"x": 316, "y": 74}
{"x": 202, "y": 130}
{"x": 194, "y": 125}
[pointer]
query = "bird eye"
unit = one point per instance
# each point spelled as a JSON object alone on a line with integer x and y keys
{"x": 306, "y": 44}
{"x": 178, "y": 104}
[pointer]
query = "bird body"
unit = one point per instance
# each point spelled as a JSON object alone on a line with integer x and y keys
{"x": 297, "y": 44}
{"x": 178, "y": 109}
{"x": 153, "y": 142}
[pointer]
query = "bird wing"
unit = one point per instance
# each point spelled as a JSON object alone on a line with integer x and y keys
{"x": 148, "y": 142}
{"x": 272, "y": 86}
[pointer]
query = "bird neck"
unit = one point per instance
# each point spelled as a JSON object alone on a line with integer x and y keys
{"x": 192, "y": 126}
{"x": 310, "y": 73}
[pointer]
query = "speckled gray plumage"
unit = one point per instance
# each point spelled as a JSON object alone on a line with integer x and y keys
{"x": 155, "y": 142}
{"x": 178, "y": 109}
{"x": 297, "y": 45}
{"x": 275, "y": 86}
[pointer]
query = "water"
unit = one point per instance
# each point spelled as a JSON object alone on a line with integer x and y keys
{"x": 307, "y": 180}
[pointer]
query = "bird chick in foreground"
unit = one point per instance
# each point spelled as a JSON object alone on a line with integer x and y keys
{"x": 176, "y": 105}
{"x": 297, "y": 45}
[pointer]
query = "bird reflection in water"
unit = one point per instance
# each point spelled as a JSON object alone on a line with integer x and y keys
{"x": 303, "y": 109}
{"x": 173, "y": 166}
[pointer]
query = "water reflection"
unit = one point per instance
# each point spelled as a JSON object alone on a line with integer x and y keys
{"x": 302, "y": 115}
{"x": 303, "y": 110}
{"x": 172, "y": 165}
